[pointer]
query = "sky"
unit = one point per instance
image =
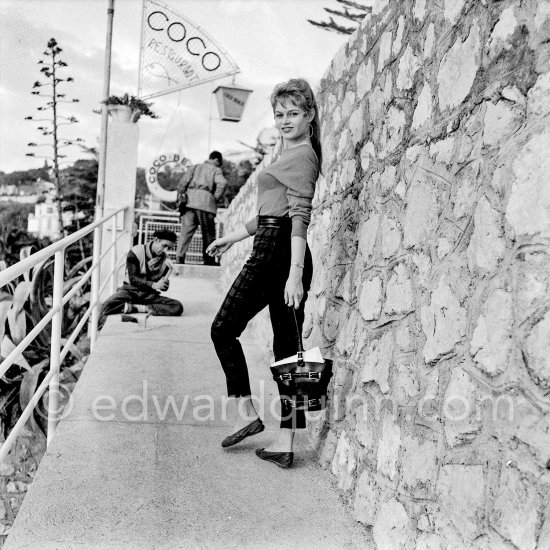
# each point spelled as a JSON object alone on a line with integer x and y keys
{"x": 270, "y": 40}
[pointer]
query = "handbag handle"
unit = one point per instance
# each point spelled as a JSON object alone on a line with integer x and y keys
{"x": 298, "y": 338}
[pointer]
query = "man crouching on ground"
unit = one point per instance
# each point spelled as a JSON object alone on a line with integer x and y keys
{"x": 147, "y": 273}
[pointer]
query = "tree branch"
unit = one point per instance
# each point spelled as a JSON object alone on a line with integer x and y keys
{"x": 356, "y": 17}
{"x": 332, "y": 26}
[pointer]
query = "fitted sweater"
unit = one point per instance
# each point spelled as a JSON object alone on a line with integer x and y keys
{"x": 286, "y": 188}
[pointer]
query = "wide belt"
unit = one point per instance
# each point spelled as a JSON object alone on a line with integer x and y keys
{"x": 273, "y": 221}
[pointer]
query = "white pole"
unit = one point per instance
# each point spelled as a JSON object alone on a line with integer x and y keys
{"x": 55, "y": 349}
{"x": 113, "y": 283}
{"x": 100, "y": 194}
{"x": 95, "y": 286}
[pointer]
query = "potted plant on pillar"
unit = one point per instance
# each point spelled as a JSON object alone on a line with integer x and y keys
{"x": 128, "y": 108}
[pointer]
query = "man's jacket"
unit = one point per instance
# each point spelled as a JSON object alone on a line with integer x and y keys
{"x": 143, "y": 269}
{"x": 204, "y": 184}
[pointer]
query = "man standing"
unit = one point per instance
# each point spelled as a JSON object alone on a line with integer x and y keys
{"x": 147, "y": 273}
{"x": 204, "y": 184}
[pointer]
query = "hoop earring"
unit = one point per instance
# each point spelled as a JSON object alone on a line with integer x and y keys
{"x": 311, "y": 131}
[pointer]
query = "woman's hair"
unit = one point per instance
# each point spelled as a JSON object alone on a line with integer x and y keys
{"x": 299, "y": 92}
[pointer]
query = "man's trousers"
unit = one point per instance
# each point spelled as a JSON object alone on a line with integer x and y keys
{"x": 159, "y": 305}
{"x": 261, "y": 283}
{"x": 189, "y": 222}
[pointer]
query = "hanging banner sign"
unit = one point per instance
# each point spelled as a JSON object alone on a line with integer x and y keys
{"x": 176, "y": 53}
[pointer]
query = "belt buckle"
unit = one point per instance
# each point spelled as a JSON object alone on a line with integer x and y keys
{"x": 286, "y": 376}
{"x": 316, "y": 375}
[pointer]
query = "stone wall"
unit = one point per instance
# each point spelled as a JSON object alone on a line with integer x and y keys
{"x": 431, "y": 240}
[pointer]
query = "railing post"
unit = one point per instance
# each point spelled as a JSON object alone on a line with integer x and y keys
{"x": 55, "y": 349}
{"x": 113, "y": 283}
{"x": 94, "y": 297}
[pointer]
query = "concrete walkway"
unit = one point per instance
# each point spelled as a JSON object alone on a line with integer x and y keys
{"x": 132, "y": 472}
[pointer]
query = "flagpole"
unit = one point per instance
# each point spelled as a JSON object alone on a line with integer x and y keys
{"x": 143, "y": 7}
{"x": 100, "y": 193}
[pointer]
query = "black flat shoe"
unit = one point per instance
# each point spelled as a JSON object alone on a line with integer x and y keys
{"x": 252, "y": 429}
{"x": 283, "y": 460}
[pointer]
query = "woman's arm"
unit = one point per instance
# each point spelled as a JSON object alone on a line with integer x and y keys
{"x": 219, "y": 246}
{"x": 294, "y": 289}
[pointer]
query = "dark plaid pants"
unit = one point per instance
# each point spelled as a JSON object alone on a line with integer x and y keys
{"x": 189, "y": 222}
{"x": 261, "y": 283}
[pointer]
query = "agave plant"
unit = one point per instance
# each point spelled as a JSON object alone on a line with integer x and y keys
{"x": 22, "y": 305}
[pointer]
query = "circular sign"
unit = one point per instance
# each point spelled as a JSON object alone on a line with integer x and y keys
{"x": 157, "y": 167}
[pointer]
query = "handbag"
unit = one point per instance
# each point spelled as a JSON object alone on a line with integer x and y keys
{"x": 303, "y": 378}
{"x": 181, "y": 201}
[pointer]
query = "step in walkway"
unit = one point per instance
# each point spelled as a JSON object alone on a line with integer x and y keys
{"x": 128, "y": 471}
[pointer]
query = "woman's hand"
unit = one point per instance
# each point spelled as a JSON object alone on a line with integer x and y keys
{"x": 294, "y": 289}
{"x": 219, "y": 246}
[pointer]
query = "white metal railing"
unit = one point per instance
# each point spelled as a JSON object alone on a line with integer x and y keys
{"x": 150, "y": 221}
{"x": 55, "y": 314}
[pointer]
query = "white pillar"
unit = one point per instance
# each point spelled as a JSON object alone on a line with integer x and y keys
{"x": 120, "y": 191}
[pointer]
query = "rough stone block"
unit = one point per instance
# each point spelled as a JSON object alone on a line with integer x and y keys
{"x": 370, "y": 301}
{"x": 344, "y": 463}
{"x": 387, "y": 179}
{"x": 364, "y": 426}
{"x": 378, "y": 361}
{"x": 537, "y": 351}
{"x": 365, "y": 78}
{"x": 429, "y": 42}
{"x": 344, "y": 143}
{"x": 419, "y": 10}
{"x": 503, "y": 31}
{"x": 356, "y": 123}
{"x": 421, "y": 212}
{"x": 408, "y": 66}
{"x": 423, "y": 269}
{"x": 423, "y": 111}
{"x": 392, "y": 131}
{"x": 367, "y": 236}
{"x": 376, "y": 105}
{"x": 399, "y": 293}
{"x": 443, "y": 322}
{"x": 328, "y": 449}
{"x": 385, "y": 50}
{"x": 345, "y": 343}
{"x": 460, "y": 409}
{"x": 396, "y": 47}
{"x": 405, "y": 382}
{"x": 366, "y": 499}
{"x": 515, "y": 510}
{"x": 390, "y": 236}
{"x": 331, "y": 323}
{"x": 501, "y": 121}
{"x": 487, "y": 246}
{"x": 418, "y": 467}
{"x": 388, "y": 88}
{"x": 430, "y": 541}
{"x": 393, "y": 529}
{"x": 458, "y": 70}
{"x": 453, "y": 9}
{"x": 528, "y": 210}
{"x": 535, "y": 432}
{"x": 491, "y": 342}
{"x": 347, "y": 105}
{"x": 460, "y": 492}
{"x": 442, "y": 150}
{"x": 444, "y": 246}
{"x": 387, "y": 457}
{"x": 367, "y": 154}
{"x": 538, "y": 98}
{"x": 404, "y": 337}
